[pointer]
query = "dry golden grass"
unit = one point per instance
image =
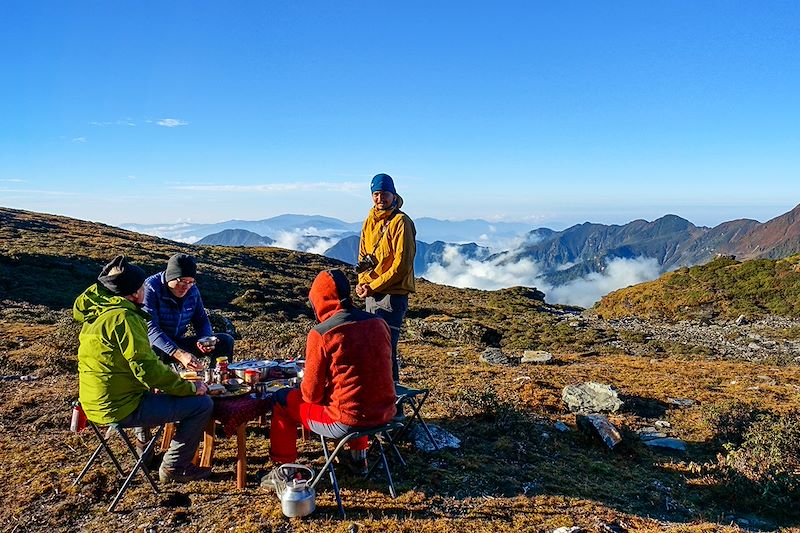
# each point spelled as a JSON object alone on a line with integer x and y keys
{"x": 513, "y": 472}
{"x": 574, "y": 480}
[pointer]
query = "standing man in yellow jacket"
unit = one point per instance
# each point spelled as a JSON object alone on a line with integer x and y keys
{"x": 386, "y": 259}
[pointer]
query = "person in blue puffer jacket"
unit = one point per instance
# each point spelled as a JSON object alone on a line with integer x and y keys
{"x": 173, "y": 301}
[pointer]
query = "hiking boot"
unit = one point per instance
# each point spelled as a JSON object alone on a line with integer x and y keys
{"x": 183, "y": 475}
{"x": 141, "y": 446}
{"x": 274, "y": 480}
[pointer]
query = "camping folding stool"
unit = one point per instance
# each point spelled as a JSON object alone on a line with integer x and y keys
{"x": 139, "y": 465}
{"x": 376, "y": 435}
{"x": 414, "y": 399}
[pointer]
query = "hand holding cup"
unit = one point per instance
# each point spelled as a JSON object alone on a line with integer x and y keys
{"x": 207, "y": 344}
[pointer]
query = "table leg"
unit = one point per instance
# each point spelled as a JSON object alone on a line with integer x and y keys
{"x": 241, "y": 457}
{"x": 208, "y": 444}
{"x": 166, "y": 438}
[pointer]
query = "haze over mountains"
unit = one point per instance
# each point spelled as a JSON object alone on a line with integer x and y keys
{"x": 495, "y": 235}
{"x": 576, "y": 266}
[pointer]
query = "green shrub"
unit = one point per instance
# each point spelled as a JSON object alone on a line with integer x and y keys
{"x": 764, "y": 471}
{"x": 730, "y": 420}
{"x": 485, "y": 404}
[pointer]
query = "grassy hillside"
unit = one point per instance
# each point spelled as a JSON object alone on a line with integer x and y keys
{"x": 513, "y": 472}
{"x": 723, "y": 288}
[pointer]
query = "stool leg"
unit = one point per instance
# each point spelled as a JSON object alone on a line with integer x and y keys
{"x": 386, "y": 467}
{"x": 139, "y": 464}
{"x": 143, "y": 466}
{"x": 86, "y": 468}
{"x": 107, "y": 448}
{"x": 241, "y": 457}
{"x": 329, "y": 463}
{"x": 416, "y": 406}
{"x": 422, "y": 421}
{"x": 396, "y": 452}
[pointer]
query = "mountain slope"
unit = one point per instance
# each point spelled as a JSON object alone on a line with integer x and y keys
{"x": 671, "y": 240}
{"x": 236, "y": 237}
{"x": 723, "y": 288}
{"x": 773, "y": 239}
{"x": 48, "y": 260}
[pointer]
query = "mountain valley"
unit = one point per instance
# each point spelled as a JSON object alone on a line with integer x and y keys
{"x": 559, "y": 257}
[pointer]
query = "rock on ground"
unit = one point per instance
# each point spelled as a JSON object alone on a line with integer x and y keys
{"x": 591, "y": 397}
{"x": 493, "y": 356}
{"x": 536, "y": 356}
{"x": 443, "y": 438}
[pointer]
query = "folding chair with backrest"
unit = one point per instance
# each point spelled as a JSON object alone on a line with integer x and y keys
{"x": 138, "y": 465}
{"x": 414, "y": 399}
{"x": 376, "y": 435}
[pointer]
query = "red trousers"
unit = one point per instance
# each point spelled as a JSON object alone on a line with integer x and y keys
{"x": 283, "y": 428}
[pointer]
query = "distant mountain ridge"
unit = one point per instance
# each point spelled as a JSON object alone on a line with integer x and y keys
{"x": 236, "y": 237}
{"x": 552, "y": 259}
{"x": 671, "y": 240}
{"x": 271, "y": 227}
{"x": 428, "y": 229}
{"x": 563, "y": 256}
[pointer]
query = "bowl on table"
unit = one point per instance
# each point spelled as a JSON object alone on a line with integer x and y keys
{"x": 263, "y": 366}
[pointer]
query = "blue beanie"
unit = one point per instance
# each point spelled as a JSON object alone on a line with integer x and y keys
{"x": 382, "y": 182}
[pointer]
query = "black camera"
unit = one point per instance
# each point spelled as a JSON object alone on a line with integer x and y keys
{"x": 365, "y": 265}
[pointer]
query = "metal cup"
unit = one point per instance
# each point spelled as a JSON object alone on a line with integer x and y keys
{"x": 208, "y": 341}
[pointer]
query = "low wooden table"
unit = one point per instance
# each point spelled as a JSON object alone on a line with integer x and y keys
{"x": 241, "y": 451}
{"x": 233, "y": 414}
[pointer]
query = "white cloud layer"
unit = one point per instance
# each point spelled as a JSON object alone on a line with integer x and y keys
{"x": 104, "y": 123}
{"x": 172, "y": 122}
{"x": 497, "y": 243}
{"x": 619, "y": 273}
{"x": 41, "y": 192}
{"x": 306, "y": 240}
{"x": 458, "y": 271}
{"x": 347, "y": 186}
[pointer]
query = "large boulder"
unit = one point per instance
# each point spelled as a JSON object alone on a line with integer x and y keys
{"x": 591, "y": 397}
{"x": 493, "y": 356}
{"x": 462, "y": 331}
{"x": 536, "y": 357}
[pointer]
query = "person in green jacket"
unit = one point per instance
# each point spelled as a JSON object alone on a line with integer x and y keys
{"x": 118, "y": 370}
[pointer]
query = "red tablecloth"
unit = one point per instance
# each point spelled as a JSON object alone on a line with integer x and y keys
{"x": 232, "y": 412}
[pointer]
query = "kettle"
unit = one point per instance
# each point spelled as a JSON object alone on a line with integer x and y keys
{"x": 294, "y": 488}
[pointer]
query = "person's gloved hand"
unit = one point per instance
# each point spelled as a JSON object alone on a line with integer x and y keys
{"x": 281, "y": 396}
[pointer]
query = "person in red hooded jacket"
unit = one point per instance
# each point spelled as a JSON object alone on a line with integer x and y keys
{"x": 347, "y": 382}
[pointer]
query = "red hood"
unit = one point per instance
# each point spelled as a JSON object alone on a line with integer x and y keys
{"x": 330, "y": 293}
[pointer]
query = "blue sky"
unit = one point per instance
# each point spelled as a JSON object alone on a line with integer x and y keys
{"x": 550, "y": 112}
